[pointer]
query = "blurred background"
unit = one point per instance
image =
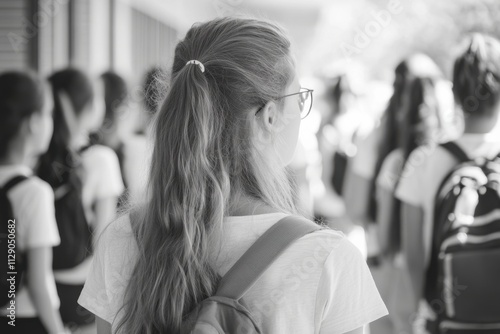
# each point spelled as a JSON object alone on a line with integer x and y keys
{"x": 347, "y": 51}
{"x": 101, "y": 34}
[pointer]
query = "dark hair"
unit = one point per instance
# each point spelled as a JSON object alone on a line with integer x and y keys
{"x": 413, "y": 75}
{"x": 423, "y": 79}
{"x": 389, "y": 140}
{"x": 78, "y": 88}
{"x": 476, "y": 75}
{"x": 21, "y": 95}
{"x": 337, "y": 88}
{"x": 152, "y": 89}
{"x": 115, "y": 94}
{"x": 389, "y": 122}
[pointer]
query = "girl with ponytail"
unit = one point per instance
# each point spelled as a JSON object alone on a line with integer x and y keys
{"x": 223, "y": 137}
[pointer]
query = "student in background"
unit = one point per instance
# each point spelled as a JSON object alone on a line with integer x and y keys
{"x": 419, "y": 121}
{"x": 86, "y": 185}
{"x": 109, "y": 133}
{"x": 226, "y": 130}
{"x": 476, "y": 71}
{"x": 363, "y": 168}
{"x": 25, "y": 131}
{"x": 137, "y": 147}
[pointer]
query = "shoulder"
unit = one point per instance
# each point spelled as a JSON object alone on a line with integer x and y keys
{"x": 102, "y": 162}
{"x": 117, "y": 232}
{"x": 391, "y": 169}
{"x": 136, "y": 143}
{"x": 98, "y": 152}
{"x": 425, "y": 157}
{"x": 35, "y": 188}
{"x": 321, "y": 244}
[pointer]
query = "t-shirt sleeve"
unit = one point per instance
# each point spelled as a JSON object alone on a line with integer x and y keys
{"x": 347, "y": 294}
{"x": 39, "y": 213}
{"x": 363, "y": 163}
{"x": 94, "y": 296}
{"x": 410, "y": 188}
{"x": 390, "y": 171}
{"x": 105, "y": 163}
{"x": 110, "y": 271}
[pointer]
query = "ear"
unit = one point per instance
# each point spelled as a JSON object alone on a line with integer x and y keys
{"x": 269, "y": 116}
{"x": 33, "y": 121}
{"x": 264, "y": 123}
{"x": 68, "y": 112}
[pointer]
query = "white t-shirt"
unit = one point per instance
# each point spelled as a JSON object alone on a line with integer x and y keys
{"x": 390, "y": 170}
{"x": 321, "y": 284}
{"x": 101, "y": 180}
{"x": 426, "y": 168}
{"x": 365, "y": 160}
{"x": 102, "y": 176}
{"x": 137, "y": 151}
{"x": 32, "y": 203}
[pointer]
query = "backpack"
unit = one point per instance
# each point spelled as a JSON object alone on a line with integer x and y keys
{"x": 13, "y": 265}
{"x": 74, "y": 231}
{"x": 463, "y": 279}
{"x": 223, "y": 312}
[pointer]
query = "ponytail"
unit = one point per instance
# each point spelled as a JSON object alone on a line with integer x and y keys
{"x": 194, "y": 203}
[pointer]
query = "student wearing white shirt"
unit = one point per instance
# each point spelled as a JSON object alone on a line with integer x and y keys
{"x": 92, "y": 174}
{"x": 25, "y": 131}
{"x": 476, "y": 87}
{"x": 223, "y": 136}
{"x": 137, "y": 146}
{"x": 421, "y": 120}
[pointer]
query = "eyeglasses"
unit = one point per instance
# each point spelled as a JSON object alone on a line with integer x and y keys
{"x": 305, "y": 101}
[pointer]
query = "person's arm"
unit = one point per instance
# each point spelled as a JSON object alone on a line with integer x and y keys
{"x": 103, "y": 327}
{"x": 413, "y": 245}
{"x": 385, "y": 209}
{"x": 356, "y": 195}
{"x": 103, "y": 163}
{"x": 105, "y": 209}
{"x": 39, "y": 283}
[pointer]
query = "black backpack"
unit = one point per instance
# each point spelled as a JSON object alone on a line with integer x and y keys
{"x": 74, "y": 231}
{"x": 12, "y": 262}
{"x": 463, "y": 278}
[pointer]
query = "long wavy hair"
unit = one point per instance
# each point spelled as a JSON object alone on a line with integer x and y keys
{"x": 414, "y": 88}
{"x": 205, "y": 156}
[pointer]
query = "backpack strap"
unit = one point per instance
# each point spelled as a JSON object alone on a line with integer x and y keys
{"x": 456, "y": 151}
{"x": 254, "y": 262}
{"x": 13, "y": 182}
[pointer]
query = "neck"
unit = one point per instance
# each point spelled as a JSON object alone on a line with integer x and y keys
{"x": 15, "y": 156}
{"x": 244, "y": 205}
{"x": 478, "y": 125}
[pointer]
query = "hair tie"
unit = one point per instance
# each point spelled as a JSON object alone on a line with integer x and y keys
{"x": 197, "y": 62}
